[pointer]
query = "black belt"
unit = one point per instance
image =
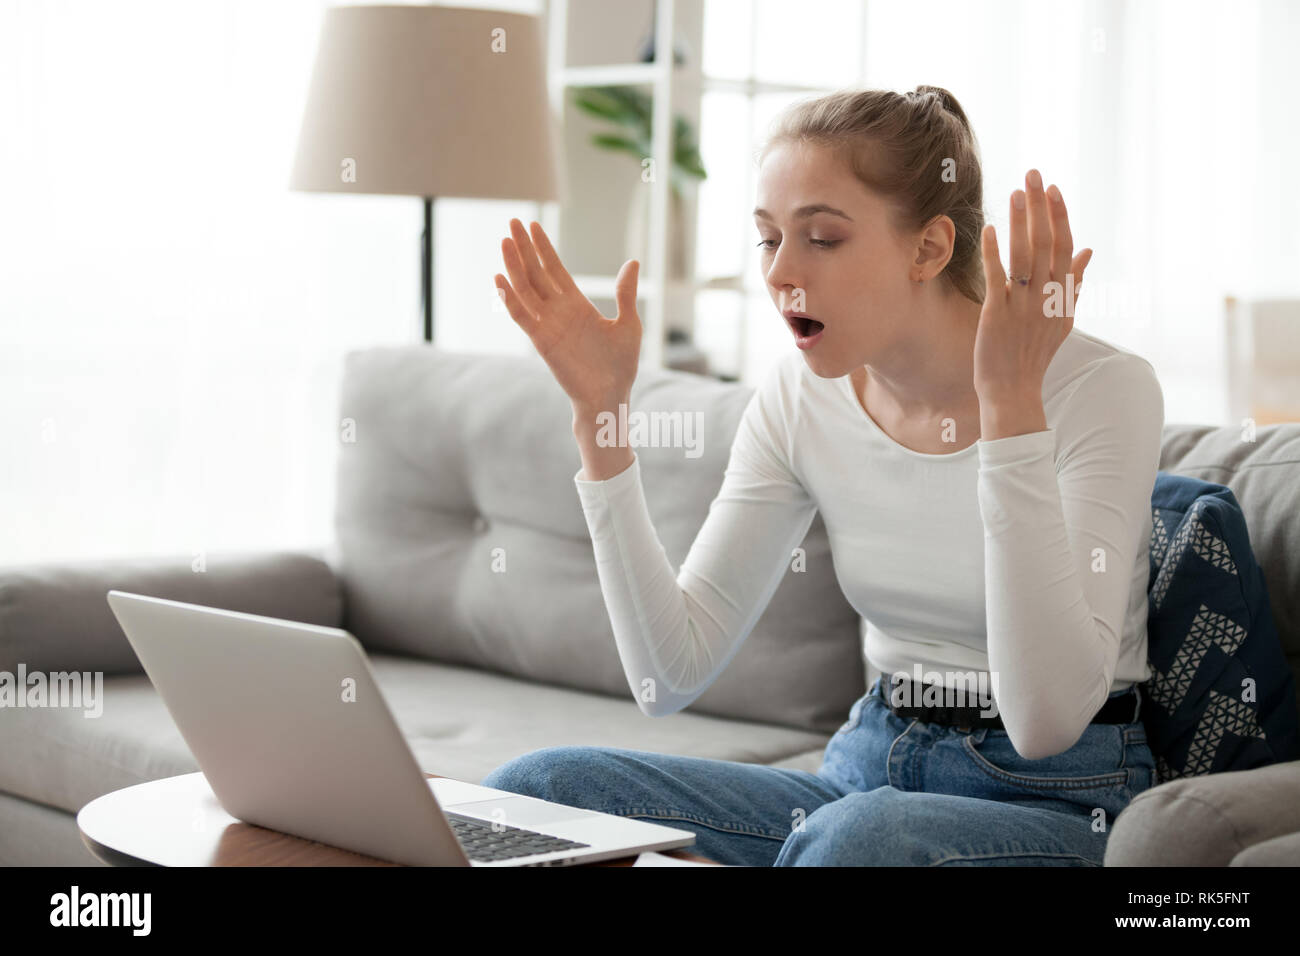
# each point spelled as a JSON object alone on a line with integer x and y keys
{"x": 1117, "y": 710}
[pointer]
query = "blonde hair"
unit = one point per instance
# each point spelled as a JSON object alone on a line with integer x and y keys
{"x": 916, "y": 149}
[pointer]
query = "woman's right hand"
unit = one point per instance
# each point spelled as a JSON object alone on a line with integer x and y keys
{"x": 594, "y": 358}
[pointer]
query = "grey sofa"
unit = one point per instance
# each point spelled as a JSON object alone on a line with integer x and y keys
{"x": 462, "y": 563}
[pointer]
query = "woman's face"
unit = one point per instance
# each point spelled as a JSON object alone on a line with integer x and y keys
{"x": 829, "y": 251}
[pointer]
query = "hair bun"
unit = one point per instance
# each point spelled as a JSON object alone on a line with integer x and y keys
{"x": 948, "y": 101}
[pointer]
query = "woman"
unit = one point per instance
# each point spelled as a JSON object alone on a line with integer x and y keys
{"x": 984, "y": 472}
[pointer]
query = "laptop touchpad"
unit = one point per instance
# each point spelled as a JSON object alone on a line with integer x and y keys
{"x": 526, "y": 812}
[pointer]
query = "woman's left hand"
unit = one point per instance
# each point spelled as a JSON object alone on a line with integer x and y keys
{"x": 1025, "y": 317}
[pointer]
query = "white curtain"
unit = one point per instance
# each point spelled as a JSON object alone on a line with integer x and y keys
{"x": 1170, "y": 127}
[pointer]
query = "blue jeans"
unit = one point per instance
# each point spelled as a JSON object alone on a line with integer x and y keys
{"x": 891, "y": 791}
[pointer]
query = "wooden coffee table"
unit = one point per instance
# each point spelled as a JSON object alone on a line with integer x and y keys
{"x": 177, "y": 821}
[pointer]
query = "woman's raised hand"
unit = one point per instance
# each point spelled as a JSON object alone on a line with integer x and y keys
{"x": 1028, "y": 314}
{"x": 594, "y": 358}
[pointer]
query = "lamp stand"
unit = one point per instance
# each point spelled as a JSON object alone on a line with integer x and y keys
{"x": 426, "y": 269}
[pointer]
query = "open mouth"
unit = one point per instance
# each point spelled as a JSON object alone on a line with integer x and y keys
{"x": 804, "y": 326}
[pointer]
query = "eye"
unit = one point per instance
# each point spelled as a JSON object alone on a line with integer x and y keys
{"x": 823, "y": 243}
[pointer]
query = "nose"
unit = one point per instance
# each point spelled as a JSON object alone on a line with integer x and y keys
{"x": 781, "y": 279}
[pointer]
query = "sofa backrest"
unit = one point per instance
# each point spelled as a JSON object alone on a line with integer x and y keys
{"x": 460, "y": 536}
{"x": 1262, "y": 468}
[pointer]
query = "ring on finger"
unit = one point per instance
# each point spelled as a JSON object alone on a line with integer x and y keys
{"x": 1023, "y": 280}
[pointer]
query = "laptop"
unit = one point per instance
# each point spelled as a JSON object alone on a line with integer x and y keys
{"x": 291, "y": 731}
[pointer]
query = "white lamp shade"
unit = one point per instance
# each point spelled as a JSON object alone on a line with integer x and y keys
{"x": 428, "y": 101}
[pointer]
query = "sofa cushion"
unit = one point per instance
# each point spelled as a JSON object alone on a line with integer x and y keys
{"x": 55, "y": 617}
{"x": 460, "y": 723}
{"x": 1222, "y": 697}
{"x": 461, "y": 536}
{"x": 1279, "y": 851}
{"x": 1206, "y": 821}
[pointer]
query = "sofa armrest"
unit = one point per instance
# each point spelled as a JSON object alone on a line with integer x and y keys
{"x": 1207, "y": 820}
{"x": 55, "y": 616}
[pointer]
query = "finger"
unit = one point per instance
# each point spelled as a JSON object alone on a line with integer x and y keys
{"x": 542, "y": 286}
{"x": 519, "y": 278}
{"x": 1020, "y": 262}
{"x": 625, "y": 291}
{"x": 1078, "y": 265}
{"x": 1062, "y": 241}
{"x": 1040, "y": 230}
{"x": 551, "y": 261}
{"x": 516, "y": 308}
{"x": 995, "y": 280}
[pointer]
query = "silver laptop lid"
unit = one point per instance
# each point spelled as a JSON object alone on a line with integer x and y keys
{"x": 289, "y": 727}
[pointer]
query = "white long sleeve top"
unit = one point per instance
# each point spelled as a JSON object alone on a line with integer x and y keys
{"x": 1026, "y": 556}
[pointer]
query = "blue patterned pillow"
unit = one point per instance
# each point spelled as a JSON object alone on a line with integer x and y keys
{"x": 1222, "y": 696}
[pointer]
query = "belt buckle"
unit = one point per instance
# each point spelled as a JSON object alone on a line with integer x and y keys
{"x": 965, "y": 719}
{"x": 964, "y": 722}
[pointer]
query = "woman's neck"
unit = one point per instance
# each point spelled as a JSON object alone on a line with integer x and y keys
{"x": 931, "y": 375}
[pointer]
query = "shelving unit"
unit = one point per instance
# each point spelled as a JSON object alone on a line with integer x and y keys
{"x": 670, "y": 87}
{"x": 659, "y": 76}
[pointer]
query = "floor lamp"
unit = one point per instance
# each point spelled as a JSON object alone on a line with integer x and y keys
{"x": 428, "y": 101}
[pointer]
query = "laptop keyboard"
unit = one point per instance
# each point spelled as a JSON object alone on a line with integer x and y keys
{"x": 481, "y": 842}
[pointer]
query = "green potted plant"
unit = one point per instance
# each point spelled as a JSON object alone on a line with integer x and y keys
{"x": 629, "y": 108}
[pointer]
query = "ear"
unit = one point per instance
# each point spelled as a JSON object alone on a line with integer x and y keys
{"x": 935, "y": 244}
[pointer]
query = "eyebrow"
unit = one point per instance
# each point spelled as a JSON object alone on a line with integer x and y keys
{"x": 803, "y": 212}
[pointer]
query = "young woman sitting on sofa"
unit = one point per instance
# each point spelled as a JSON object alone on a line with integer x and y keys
{"x": 984, "y": 472}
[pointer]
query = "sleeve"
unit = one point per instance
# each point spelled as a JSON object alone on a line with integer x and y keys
{"x": 1066, "y": 514}
{"x": 676, "y": 633}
